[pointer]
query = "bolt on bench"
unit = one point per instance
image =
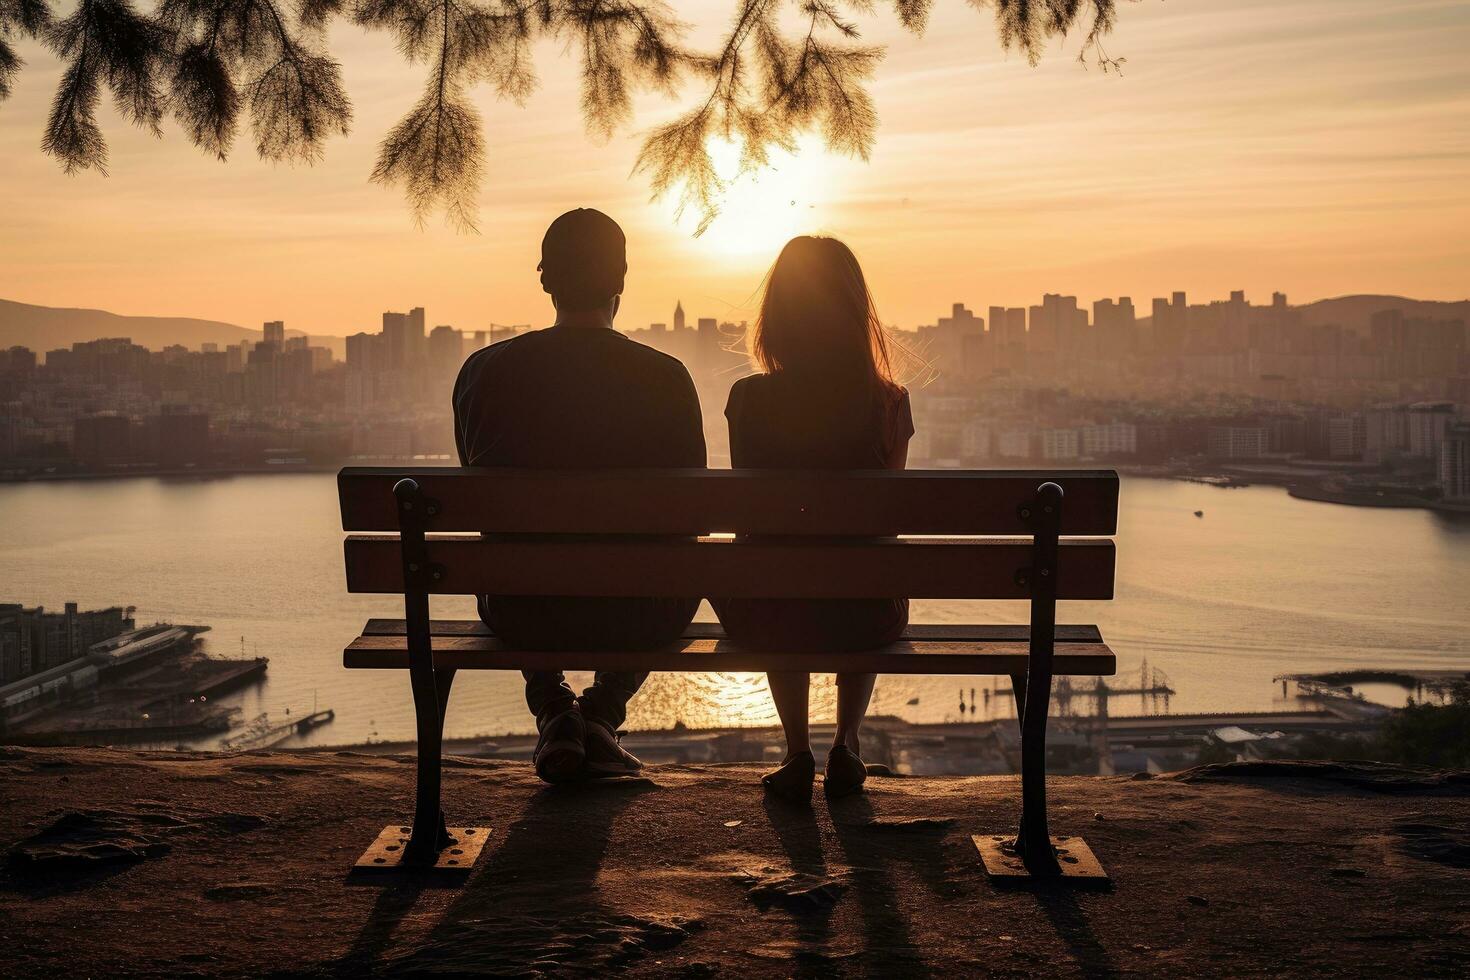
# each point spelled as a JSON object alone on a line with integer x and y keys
{"x": 1020, "y": 541}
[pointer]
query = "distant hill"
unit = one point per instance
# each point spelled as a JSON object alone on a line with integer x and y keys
{"x": 1355, "y": 312}
{"x": 43, "y": 328}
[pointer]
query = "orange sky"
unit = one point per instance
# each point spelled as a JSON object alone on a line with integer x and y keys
{"x": 1314, "y": 146}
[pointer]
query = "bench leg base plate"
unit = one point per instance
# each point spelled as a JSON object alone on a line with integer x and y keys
{"x": 1078, "y": 865}
{"x": 458, "y": 857}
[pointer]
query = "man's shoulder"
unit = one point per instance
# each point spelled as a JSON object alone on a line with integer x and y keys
{"x": 482, "y": 359}
{"x": 654, "y": 356}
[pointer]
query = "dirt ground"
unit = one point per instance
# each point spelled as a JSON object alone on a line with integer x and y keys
{"x": 137, "y": 863}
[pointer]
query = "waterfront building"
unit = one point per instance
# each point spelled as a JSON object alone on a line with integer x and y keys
{"x": 1237, "y": 442}
{"x": 1386, "y": 433}
{"x": 1454, "y": 462}
{"x": 975, "y": 439}
{"x": 1060, "y": 444}
{"x": 1014, "y": 444}
{"x": 1428, "y": 422}
{"x": 1112, "y": 439}
{"x": 102, "y": 439}
{"x": 34, "y": 640}
{"x": 1345, "y": 437}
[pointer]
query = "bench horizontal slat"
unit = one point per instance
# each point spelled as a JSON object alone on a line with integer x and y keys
{"x": 859, "y": 503}
{"x": 915, "y": 568}
{"x": 714, "y": 631}
{"x": 904, "y": 657}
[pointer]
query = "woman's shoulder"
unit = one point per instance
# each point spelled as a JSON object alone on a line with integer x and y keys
{"x": 757, "y": 386}
{"x": 895, "y": 396}
{"x": 739, "y": 392}
{"x": 900, "y": 413}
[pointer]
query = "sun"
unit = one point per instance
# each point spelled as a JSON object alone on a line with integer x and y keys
{"x": 762, "y": 210}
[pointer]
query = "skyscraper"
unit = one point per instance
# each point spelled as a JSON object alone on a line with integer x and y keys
{"x": 275, "y": 333}
{"x": 417, "y": 335}
{"x": 395, "y": 338}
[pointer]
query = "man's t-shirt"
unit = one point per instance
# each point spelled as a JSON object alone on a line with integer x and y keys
{"x": 579, "y": 398}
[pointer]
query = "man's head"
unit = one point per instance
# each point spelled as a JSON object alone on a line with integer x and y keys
{"x": 583, "y": 261}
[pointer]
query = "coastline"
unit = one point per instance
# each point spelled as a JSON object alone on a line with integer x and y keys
{"x": 1313, "y": 485}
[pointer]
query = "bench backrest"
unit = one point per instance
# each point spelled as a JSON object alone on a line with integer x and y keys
{"x": 799, "y": 512}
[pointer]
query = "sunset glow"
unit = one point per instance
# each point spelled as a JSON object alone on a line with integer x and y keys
{"x": 1314, "y": 147}
{"x": 761, "y": 210}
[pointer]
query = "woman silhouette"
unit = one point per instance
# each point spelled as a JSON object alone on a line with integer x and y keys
{"x": 824, "y": 398}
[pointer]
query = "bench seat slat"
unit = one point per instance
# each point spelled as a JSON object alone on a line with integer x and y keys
{"x": 903, "y": 657}
{"x": 990, "y": 632}
{"x": 919, "y": 568}
{"x": 859, "y": 502}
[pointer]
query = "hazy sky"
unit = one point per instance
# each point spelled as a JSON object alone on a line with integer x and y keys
{"x": 1321, "y": 147}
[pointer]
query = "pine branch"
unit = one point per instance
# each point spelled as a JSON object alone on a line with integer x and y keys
{"x": 204, "y": 61}
{"x": 18, "y": 18}
{"x": 103, "y": 42}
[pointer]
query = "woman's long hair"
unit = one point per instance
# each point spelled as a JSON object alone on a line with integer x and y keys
{"x": 817, "y": 319}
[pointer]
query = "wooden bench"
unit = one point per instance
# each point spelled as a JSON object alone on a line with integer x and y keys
{"x": 1008, "y": 535}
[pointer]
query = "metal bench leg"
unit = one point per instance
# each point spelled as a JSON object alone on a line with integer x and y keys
{"x": 428, "y": 843}
{"x": 1033, "y": 853}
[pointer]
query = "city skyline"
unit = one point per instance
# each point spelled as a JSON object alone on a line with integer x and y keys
{"x": 1219, "y": 380}
{"x": 1320, "y": 145}
{"x": 1357, "y": 307}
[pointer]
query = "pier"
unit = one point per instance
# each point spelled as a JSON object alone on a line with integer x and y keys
{"x": 262, "y": 733}
{"x": 145, "y": 686}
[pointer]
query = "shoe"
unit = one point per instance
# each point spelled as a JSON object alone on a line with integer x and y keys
{"x": 793, "y": 781}
{"x": 845, "y": 773}
{"x": 560, "y": 751}
{"x": 605, "y": 753}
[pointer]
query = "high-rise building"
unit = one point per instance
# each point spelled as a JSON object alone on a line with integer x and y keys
{"x": 1428, "y": 422}
{"x": 1170, "y": 324}
{"x": 396, "y": 344}
{"x": 1237, "y": 441}
{"x": 98, "y": 440}
{"x": 679, "y": 316}
{"x": 182, "y": 436}
{"x": 33, "y": 640}
{"x": 275, "y": 333}
{"x": 1454, "y": 462}
{"x": 1346, "y": 437}
{"x": 945, "y": 343}
{"x": 446, "y": 349}
{"x": 1008, "y": 326}
{"x": 1116, "y": 325}
{"x": 418, "y": 339}
{"x": 1060, "y": 444}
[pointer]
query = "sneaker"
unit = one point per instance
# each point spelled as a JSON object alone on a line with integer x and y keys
{"x": 560, "y": 751}
{"x": 605, "y": 753}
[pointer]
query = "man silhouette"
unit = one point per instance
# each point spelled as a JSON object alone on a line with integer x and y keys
{"x": 580, "y": 395}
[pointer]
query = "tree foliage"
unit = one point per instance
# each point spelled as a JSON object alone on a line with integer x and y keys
{"x": 783, "y": 68}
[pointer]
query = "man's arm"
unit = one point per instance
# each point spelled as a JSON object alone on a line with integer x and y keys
{"x": 454, "y": 405}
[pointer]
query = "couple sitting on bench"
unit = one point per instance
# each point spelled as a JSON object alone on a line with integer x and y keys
{"x": 580, "y": 394}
